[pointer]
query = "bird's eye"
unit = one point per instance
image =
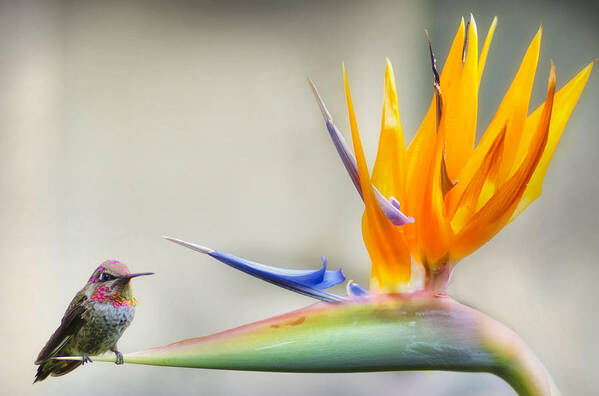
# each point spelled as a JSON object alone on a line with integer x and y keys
{"x": 106, "y": 277}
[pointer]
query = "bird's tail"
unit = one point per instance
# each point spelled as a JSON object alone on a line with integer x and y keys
{"x": 55, "y": 368}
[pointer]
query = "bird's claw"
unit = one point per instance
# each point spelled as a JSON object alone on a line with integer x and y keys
{"x": 119, "y": 358}
{"x": 85, "y": 359}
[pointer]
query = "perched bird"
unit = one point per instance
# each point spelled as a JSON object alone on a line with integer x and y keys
{"x": 93, "y": 322}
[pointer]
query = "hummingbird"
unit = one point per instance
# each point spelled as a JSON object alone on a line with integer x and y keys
{"x": 93, "y": 322}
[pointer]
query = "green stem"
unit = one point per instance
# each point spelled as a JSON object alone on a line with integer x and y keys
{"x": 384, "y": 333}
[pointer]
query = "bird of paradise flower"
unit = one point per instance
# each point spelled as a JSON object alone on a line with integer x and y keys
{"x": 458, "y": 196}
{"x": 455, "y": 196}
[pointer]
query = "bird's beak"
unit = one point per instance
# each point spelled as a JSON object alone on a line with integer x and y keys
{"x": 130, "y": 276}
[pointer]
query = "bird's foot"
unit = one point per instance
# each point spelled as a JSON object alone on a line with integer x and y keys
{"x": 119, "y": 358}
{"x": 85, "y": 359}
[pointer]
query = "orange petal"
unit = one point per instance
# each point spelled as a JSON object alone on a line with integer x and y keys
{"x": 419, "y": 160}
{"x": 391, "y": 261}
{"x": 461, "y": 106}
{"x": 513, "y": 108}
{"x": 483, "y": 55}
{"x": 432, "y": 226}
{"x": 497, "y": 211}
{"x": 518, "y": 118}
{"x": 453, "y": 64}
{"x": 564, "y": 103}
{"x": 468, "y": 202}
{"x": 389, "y": 172}
{"x": 421, "y": 151}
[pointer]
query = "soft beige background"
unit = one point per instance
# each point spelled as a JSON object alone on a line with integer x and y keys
{"x": 123, "y": 122}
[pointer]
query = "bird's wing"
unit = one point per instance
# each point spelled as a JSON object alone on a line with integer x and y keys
{"x": 72, "y": 321}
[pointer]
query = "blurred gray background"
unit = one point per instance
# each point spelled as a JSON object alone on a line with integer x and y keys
{"x": 121, "y": 122}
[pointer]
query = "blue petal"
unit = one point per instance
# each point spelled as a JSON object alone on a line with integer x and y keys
{"x": 331, "y": 278}
{"x": 355, "y": 290}
{"x": 390, "y": 207}
{"x": 346, "y": 157}
{"x": 307, "y": 282}
{"x": 339, "y": 142}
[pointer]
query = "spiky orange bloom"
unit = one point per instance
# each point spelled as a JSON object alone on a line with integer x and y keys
{"x": 459, "y": 195}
